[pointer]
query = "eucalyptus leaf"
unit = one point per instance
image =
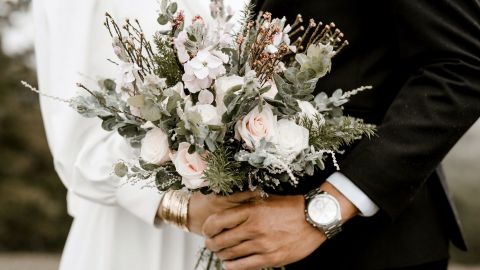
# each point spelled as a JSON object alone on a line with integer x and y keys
{"x": 129, "y": 131}
{"x": 210, "y": 144}
{"x": 162, "y": 19}
{"x": 136, "y": 101}
{"x": 163, "y": 5}
{"x": 291, "y": 74}
{"x": 309, "y": 169}
{"x": 109, "y": 123}
{"x": 172, "y": 8}
{"x": 150, "y": 111}
{"x": 148, "y": 166}
{"x": 320, "y": 164}
{"x": 88, "y": 106}
{"x": 264, "y": 89}
{"x": 274, "y": 102}
{"x": 120, "y": 169}
{"x": 109, "y": 84}
{"x": 172, "y": 102}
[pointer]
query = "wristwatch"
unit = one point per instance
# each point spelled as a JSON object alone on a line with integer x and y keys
{"x": 322, "y": 210}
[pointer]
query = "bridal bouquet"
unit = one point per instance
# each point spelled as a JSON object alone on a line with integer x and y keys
{"x": 222, "y": 106}
{"x": 213, "y": 108}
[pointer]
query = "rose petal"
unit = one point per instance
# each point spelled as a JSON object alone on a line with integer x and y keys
{"x": 205, "y": 97}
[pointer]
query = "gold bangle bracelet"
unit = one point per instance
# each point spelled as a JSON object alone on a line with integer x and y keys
{"x": 174, "y": 208}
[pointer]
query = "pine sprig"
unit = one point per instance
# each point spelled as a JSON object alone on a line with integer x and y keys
{"x": 166, "y": 60}
{"x": 223, "y": 172}
{"x": 247, "y": 15}
{"x": 334, "y": 134}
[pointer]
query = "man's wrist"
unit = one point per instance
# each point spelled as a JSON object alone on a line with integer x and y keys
{"x": 347, "y": 208}
{"x": 364, "y": 204}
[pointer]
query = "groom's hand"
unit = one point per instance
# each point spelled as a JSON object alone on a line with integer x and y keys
{"x": 202, "y": 206}
{"x": 272, "y": 232}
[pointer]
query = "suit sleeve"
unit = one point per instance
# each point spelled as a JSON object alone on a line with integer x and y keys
{"x": 440, "y": 100}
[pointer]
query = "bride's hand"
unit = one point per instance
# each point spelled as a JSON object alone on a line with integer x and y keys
{"x": 202, "y": 206}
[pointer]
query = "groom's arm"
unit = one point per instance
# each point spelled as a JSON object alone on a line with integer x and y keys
{"x": 439, "y": 44}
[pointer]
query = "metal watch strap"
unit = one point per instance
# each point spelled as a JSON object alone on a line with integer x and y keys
{"x": 313, "y": 193}
{"x": 333, "y": 228}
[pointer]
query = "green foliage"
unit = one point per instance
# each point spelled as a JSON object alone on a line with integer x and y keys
{"x": 33, "y": 216}
{"x": 240, "y": 56}
{"x": 89, "y": 106}
{"x": 240, "y": 100}
{"x": 120, "y": 169}
{"x": 335, "y": 133}
{"x": 167, "y": 11}
{"x": 167, "y": 65}
{"x": 224, "y": 173}
{"x": 294, "y": 85}
{"x": 166, "y": 177}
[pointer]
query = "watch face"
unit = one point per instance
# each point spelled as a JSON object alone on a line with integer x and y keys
{"x": 323, "y": 210}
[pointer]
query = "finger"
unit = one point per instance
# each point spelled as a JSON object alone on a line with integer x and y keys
{"x": 228, "y": 239}
{"x": 227, "y": 219}
{"x": 253, "y": 262}
{"x": 241, "y": 250}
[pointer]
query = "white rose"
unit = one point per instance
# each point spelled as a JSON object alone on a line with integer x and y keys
{"x": 208, "y": 113}
{"x": 190, "y": 167}
{"x": 155, "y": 148}
{"x": 292, "y": 138}
{"x": 222, "y": 85}
{"x": 256, "y": 126}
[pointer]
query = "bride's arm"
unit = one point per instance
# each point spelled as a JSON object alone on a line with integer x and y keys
{"x": 70, "y": 40}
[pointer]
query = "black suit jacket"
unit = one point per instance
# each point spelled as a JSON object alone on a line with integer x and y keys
{"x": 423, "y": 59}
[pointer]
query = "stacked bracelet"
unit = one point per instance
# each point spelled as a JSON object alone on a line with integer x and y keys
{"x": 174, "y": 208}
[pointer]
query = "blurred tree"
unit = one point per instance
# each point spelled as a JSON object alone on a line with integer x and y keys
{"x": 33, "y": 214}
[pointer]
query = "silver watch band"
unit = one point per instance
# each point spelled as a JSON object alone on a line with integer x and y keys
{"x": 332, "y": 229}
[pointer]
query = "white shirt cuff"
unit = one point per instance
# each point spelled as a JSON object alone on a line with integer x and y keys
{"x": 366, "y": 206}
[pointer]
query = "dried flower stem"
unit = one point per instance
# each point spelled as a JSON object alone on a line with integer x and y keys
{"x": 110, "y": 108}
{"x": 33, "y": 89}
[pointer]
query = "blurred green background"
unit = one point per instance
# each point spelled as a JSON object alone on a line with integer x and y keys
{"x": 32, "y": 198}
{"x": 33, "y": 217}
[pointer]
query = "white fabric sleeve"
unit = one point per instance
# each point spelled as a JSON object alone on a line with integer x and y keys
{"x": 70, "y": 41}
{"x": 366, "y": 206}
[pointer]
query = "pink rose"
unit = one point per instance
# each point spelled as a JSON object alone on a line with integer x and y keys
{"x": 256, "y": 126}
{"x": 190, "y": 167}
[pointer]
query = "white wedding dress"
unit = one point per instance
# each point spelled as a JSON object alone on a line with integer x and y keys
{"x": 114, "y": 225}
